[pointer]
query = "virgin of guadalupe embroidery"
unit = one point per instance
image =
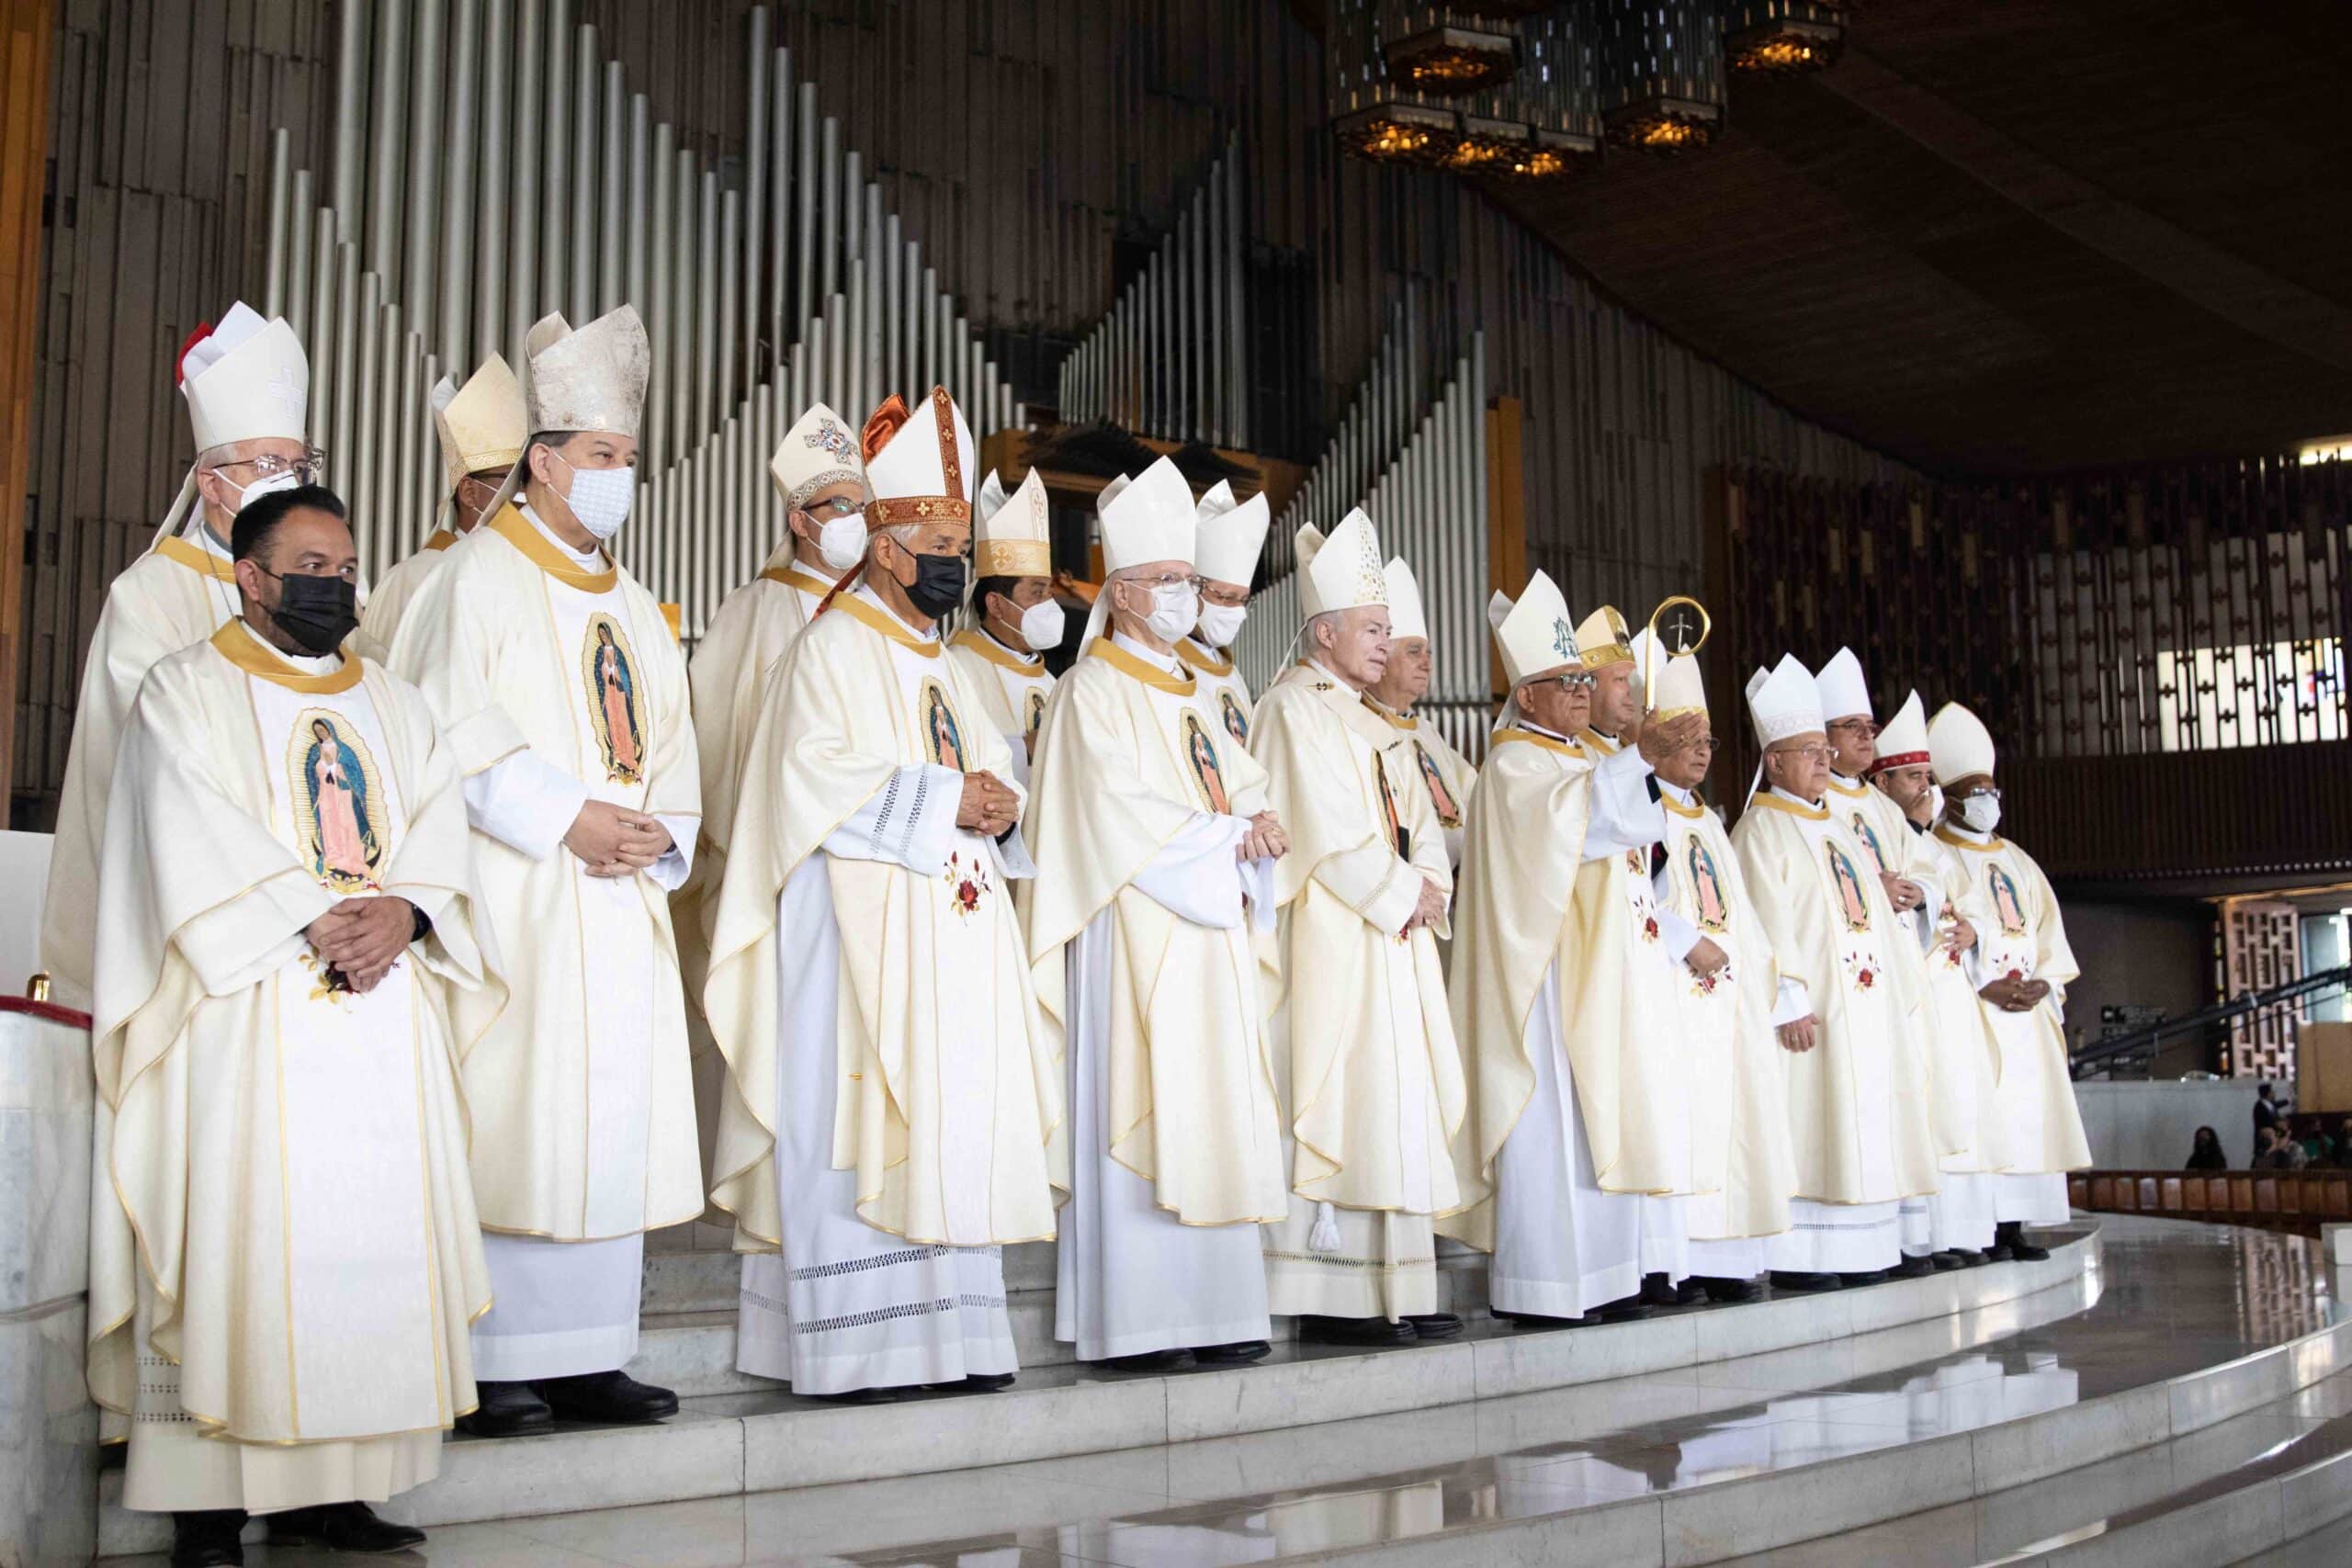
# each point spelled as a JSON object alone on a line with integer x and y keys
{"x": 1388, "y": 808}
{"x": 1235, "y": 724}
{"x": 1448, "y": 811}
{"x": 338, "y": 802}
{"x": 1036, "y": 718}
{"x": 2006, "y": 904}
{"x": 1851, "y": 902}
{"x": 1706, "y": 886}
{"x": 1200, "y": 756}
{"x": 942, "y": 736}
{"x": 1869, "y": 843}
{"x": 614, "y": 715}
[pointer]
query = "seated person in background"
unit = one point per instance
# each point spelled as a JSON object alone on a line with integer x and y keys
{"x": 2205, "y": 1151}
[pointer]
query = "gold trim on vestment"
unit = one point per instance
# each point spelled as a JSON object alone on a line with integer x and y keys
{"x": 797, "y": 575}
{"x": 1202, "y": 660}
{"x": 234, "y": 643}
{"x": 1775, "y": 802}
{"x": 511, "y": 525}
{"x": 441, "y": 541}
{"x": 197, "y": 559}
{"x": 1958, "y": 842}
{"x": 1126, "y": 663}
{"x": 1012, "y": 558}
{"x": 1560, "y": 747}
{"x": 1694, "y": 812}
{"x": 1850, "y": 791}
{"x": 996, "y": 653}
{"x": 1594, "y": 741}
{"x": 1401, "y": 721}
{"x": 884, "y": 622}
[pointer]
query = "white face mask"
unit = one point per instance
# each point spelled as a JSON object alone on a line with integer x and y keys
{"x": 600, "y": 498}
{"x": 1982, "y": 812}
{"x": 1174, "y": 608}
{"x": 842, "y": 541}
{"x": 267, "y": 485}
{"x": 1042, "y": 625}
{"x": 1220, "y": 624}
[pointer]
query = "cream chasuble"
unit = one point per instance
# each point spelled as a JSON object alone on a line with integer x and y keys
{"x": 1857, "y": 1113}
{"x": 2021, "y": 933}
{"x": 284, "y": 1248}
{"x": 1223, "y": 691}
{"x": 558, "y": 682}
{"x": 1364, "y": 1045}
{"x": 1446, "y": 775}
{"x": 1739, "y": 1139}
{"x": 1965, "y": 1109}
{"x": 171, "y": 596}
{"x": 1012, "y": 689}
{"x": 379, "y": 618}
{"x": 893, "y": 1094}
{"x": 1143, "y": 953}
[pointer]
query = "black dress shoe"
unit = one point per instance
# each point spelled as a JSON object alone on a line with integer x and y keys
{"x": 2010, "y": 1245}
{"x": 1624, "y": 1310}
{"x": 1166, "y": 1360}
{"x": 862, "y": 1396}
{"x": 1969, "y": 1257}
{"x": 974, "y": 1383}
{"x": 1434, "y": 1324}
{"x": 1371, "y": 1331}
{"x": 1656, "y": 1292}
{"x": 1863, "y": 1276}
{"x": 343, "y": 1526}
{"x": 507, "y": 1410}
{"x": 1915, "y": 1266}
{"x": 207, "y": 1537}
{"x": 1240, "y": 1353}
{"x": 1945, "y": 1261}
{"x": 1720, "y": 1290}
{"x": 1788, "y": 1279}
{"x": 2000, "y": 1251}
{"x": 2025, "y": 1251}
{"x": 1537, "y": 1320}
{"x": 1689, "y": 1289}
{"x": 610, "y": 1397}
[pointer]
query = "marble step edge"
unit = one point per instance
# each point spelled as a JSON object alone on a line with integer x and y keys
{"x": 717, "y": 1455}
{"x": 1737, "y": 1518}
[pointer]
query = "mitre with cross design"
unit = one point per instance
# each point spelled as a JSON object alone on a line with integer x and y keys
{"x": 1532, "y": 632}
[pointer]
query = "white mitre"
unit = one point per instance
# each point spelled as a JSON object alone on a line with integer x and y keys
{"x": 1227, "y": 543}
{"x": 1216, "y": 501}
{"x": 1341, "y": 573}
{"x": 1149, "y": 520}
{"x": 1783, "y": 702}
{"x": 1110, "y": 492}
{"x": 1958, "y": 746}
{"x": 1679, "y": 688}
{"x": 820, "y": 450}
{"x": 589, "y": 379}
{"x": 1532, "y": 632}
{"x": 1601, "y": 638}
{"x": 1902, "y": 742}
{"x": 992, "y": 495}
{"x": 482, "y": 425}
{"x": 1844, "y": 691}
{"x": 1405, "y": 616}
{"x": 921, "y": 471}
{"x": 247, "y": 379}
{"x": 1014, "y": 539}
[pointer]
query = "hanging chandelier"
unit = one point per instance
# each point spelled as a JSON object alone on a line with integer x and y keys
{"x": 1445, "y": 49}
{"x": 1783, "y": 36}
{"x": 1662, "y": 81}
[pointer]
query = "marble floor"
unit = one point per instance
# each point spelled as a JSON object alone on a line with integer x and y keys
{"x": 2164, "y": 1299}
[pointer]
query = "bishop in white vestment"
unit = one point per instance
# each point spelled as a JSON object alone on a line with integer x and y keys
{"x": 564, "y": 697}
{"x": 1743, "y": 1171}
{"x": 1569, "y": 1126}
{"x": 1015, "y": 620}
{"x": 1228, "y": 538}
{"x": 284, "y": 1249}
{"x": 481, "y": 428}
{"x": 1858, "y": 1122}
{"x": 1154, "y": 875}
{"x": 1419, "y": 752}
{"x": 1364, "y": 1048}
{"x": 2024, "y": 966}
{"x": 248, "y": 385}
{"x": 892, "y": 1100}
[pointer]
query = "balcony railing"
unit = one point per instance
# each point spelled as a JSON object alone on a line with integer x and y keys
{"x": 2297, "y": 1200}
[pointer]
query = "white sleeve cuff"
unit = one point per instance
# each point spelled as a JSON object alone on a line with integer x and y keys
{"x": 1398, "y": 897}
{"x": 525, "y": 803}
{"x": 1679, "y": 934}
{"x": 909, "y": 821}
{"x": 677, "y": 863}
{"x": 1194, "y": 877}
{"x": 1794, "y": 1002}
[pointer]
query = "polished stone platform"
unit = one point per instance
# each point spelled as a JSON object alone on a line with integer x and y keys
{"x": 2068, "y": 1410}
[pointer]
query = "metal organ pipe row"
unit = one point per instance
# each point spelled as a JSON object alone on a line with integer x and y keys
{"x": 491, "y": 165}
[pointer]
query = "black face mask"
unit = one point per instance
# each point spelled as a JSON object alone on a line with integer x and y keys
{"x": 938, "y": 586}
{"x": 318, "y": 612}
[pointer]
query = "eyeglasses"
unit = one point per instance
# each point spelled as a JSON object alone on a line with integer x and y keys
{"x": 1806, "y": 753}
{"x": 307, "y": 469}
{"x": 1171, "y": 580}
{"x": 842, "y": 506}
{"x": 1231, "y": 598}
{"x": 1987, "y": 792}
{"x": 1571, "y": 681}
{"x": 1866, "y": 728}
